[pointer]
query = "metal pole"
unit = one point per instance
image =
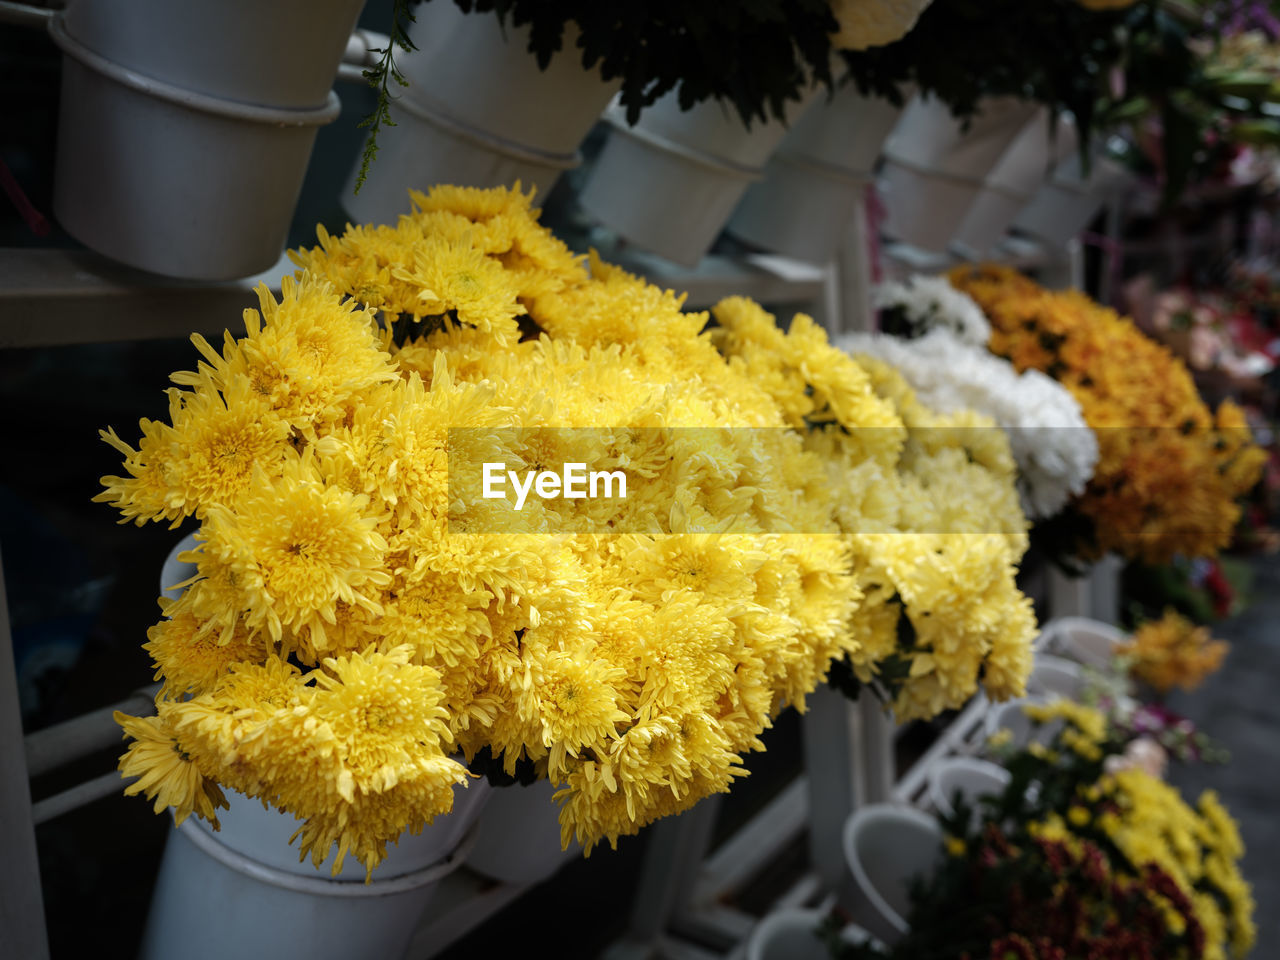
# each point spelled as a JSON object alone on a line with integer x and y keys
{"x": 877, "y": 766}
{"x": 1104, "y": 589}
{"x": 1068, "y": 596}
{"x": 72, "y": 739}
{"x": 832, "y": 758}
{"x": 853, "y": 264}
{"x": 21, "y": 903}
{"x": 669, "y": 874}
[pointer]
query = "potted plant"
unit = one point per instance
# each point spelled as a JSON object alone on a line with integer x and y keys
{"x": 1101, "y": 858}
{"x": 354, "y": 624}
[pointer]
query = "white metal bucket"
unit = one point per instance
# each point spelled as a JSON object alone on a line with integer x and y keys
{"x": 924, "y": 207}
{"x": 886, "y": 846}
{"x": 478, "y": 112}
{"x": 425, "y": 148}
{"x": 790, "y": 934}
{"x": 1065, "y": 203}
{"x": 812, "y": 185}
{"x": 1011, "y": 183}
{"x": 216, "y": 903}
{"x": 661, "y": 195}
{"x": 969, "y": 777}
{"x": 670, "y": 183}
{"x": 262, "y": 835}
{"x": 518, "y": 837}
{"x": 1056, "y": 676}
{"x": 935, "y": 167}
{"x": 1084, "y": 640}
{"x": 282, "y": 54}
{"x": 478, "y": 72}
{"x": 1011, "y": 716}
{"x": 172, "y": 181}
{"x": 175, "y": 571}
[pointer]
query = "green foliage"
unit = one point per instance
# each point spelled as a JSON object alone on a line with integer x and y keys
{"x": 754, "y": 54}
{"x": 1054, "y": 52}
{"x": 891, "y": 672}
{"x": 380, "y": 77}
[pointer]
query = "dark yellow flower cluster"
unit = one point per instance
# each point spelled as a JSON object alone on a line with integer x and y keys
{"x": 1148, "y": 823}
{"x": 1173, "y": 652}
{"x": 1170, "y": 471}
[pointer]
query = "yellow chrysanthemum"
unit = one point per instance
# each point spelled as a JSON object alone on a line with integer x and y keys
{"x": 192, "y": 660}
{"x": 1172, "y": 651}
{"x": 165, "y": 772}
{"x": 303, "y": 357}
{"x": 297, "y": 548}
{"x": 1169, "y": 472}
{"x": 631, "y": 649}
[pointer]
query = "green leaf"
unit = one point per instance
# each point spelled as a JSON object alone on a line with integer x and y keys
{"x": 1257, "y": 132}
{"x": 379, "y": 77}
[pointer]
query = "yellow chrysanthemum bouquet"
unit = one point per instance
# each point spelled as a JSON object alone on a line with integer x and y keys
{"x": 1170, "y": 471}
{"x": 1093, "y": 791}
{"x": 1083, "y": 853}
{"x": 1172, "y": 652}
{"x": 928, "y": 505}
{"x": 366, "y": 617}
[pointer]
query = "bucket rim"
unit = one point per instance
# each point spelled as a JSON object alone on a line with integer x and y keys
{"x": 190, "y": 99}
{"x": 321, "y": 886}
{"x": 666, "y": 145}
{"x": 485, "y": 139}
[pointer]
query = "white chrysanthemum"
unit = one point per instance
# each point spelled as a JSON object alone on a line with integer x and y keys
{"x": 873, "y": 23}
{"x": 1055, "y": 449}
{"x": 928, "y": 303}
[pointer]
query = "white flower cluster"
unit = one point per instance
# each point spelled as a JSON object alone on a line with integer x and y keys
{"x": 1055, "y": 449}
{"x": 928, "y": 303}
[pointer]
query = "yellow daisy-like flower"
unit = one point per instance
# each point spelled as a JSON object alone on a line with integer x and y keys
{"x": 573, "y": 698}
{"x": 192, "y": 660}
{"x": 385, "y": 714}
{"x": 305, "y": 356}
{"x": 359, "y": 607}
{"x": 217, "y": 441}
{"x": 297, "y": 548}
{"x": 145, "y": 494}
{"x": 165, "y": 772}
{"x": 456, "y": 276}
{"x": 474, "y": 203}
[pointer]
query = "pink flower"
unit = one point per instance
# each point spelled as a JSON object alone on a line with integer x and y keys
{"x": 1143, "y": 754}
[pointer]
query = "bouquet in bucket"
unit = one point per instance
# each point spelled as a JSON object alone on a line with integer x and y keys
{"x": 380, "y": 613}
{"x": 1086, "y": 853}
{"x": 1170, "y": 471}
